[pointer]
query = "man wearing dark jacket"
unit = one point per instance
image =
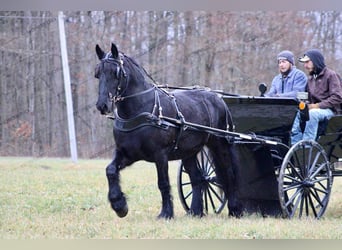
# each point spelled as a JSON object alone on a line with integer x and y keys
{"x": 324, "y": 89}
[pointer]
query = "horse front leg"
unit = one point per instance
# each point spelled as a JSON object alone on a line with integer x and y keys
{"x": 165, "y": 189}
{"x": 116, "y": 197}
{"x": 196, "y": 178}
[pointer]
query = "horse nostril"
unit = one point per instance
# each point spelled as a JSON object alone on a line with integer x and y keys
{"x": 102, "y": 108}
{"x": 98, "y": 106}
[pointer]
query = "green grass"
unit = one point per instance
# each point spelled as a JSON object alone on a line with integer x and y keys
{"x": 57, "y": 199}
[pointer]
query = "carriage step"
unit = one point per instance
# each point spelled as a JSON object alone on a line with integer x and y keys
{"x": 338, "y": 164}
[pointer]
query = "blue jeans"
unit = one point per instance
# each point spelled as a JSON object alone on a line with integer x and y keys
{"x": 310, "y": 132}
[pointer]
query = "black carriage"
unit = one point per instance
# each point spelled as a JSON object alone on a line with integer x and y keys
{"x": 273, "y": 177}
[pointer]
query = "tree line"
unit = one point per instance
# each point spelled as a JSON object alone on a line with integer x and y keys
{"x": 232, "y": 51}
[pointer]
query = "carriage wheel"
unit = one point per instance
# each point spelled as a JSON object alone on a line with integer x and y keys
{"x": 213, "y": 196}
{"x": 305, "y": 181}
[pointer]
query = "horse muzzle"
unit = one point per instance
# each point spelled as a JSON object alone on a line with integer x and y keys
{"x": 103, "y": 108}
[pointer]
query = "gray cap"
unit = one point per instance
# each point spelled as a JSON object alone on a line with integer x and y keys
{"x": 286, "y": 55}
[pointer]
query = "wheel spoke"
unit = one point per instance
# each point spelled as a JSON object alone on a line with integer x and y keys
{"x": 325, "y": 187}
{"x": 293, "y": 207}
{"x": 206, "y": 201}
{"x": 186, "y": 183}
{"x": 183, "y": 169}
{"x": 306, "y": 205}
{"x": 211, "y": 200}
{"x": 293, "y": 197}
{"x": 312, "y": 206}
{"x": 291, "y": 179}
{"x": 315, "y": 162}
{"x": 218, "y": 196}
{"x": 293, "y": 186}
{"x": 317, "y": 171}
{"x": 214, "y": 183}
{"x": 188, "y": 195}
{"x": 212, "y": 197}
{"x": 293, "y": 169}
{"x": 316, "y": 196}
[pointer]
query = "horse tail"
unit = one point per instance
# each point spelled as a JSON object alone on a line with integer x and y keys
{"x": 229, "y": 119}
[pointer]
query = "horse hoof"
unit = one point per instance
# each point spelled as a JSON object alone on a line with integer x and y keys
{"x": 236, "y": 214}
{"x": 165, "y": 217}
{"x": 191, "y": 213}
{"x": 122, "y": 212}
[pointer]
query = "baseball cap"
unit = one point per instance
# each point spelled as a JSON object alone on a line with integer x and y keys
{"x": 304, "y": 59}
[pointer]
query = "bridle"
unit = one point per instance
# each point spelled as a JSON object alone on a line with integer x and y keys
{"x": 121, "y": 75}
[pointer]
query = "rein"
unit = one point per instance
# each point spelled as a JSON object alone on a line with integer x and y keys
{"x": 120, "y": 98}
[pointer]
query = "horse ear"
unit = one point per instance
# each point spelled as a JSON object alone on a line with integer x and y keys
{"x": 100, "y": 53}
{"x": 114, "y": 51}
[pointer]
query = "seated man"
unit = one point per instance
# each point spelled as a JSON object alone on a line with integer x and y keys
{"x": 324, "y": 95}
{"x": 290, "y": 80}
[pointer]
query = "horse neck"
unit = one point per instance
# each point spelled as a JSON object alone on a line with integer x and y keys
{"x": 135, "y": 101}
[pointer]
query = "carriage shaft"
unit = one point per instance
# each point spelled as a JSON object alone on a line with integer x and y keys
{"x": 216, "y": 131}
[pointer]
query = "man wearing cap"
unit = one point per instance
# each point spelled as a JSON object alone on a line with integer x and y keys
{"x": 324, "y": 95}
{"x": 290, "y": 80}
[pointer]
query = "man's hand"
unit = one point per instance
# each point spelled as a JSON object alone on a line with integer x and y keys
{"x": 314, "y": 106}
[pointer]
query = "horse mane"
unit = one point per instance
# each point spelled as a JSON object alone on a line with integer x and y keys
{"x": 132, "y": 63}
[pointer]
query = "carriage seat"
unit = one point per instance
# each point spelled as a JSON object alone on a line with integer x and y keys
{"x": 322, "y": 125}
{"x": 330, "y": 137}
{"x": 332, "y": 126}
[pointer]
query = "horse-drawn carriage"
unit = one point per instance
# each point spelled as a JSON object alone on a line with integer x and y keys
{"x": 232, "y": 148}
{"x": 275, "y": 177}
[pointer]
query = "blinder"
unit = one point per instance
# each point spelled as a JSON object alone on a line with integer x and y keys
{"x": 119, "y": 73}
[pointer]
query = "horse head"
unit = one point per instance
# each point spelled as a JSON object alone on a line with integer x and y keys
{"x": 112, "y": 76}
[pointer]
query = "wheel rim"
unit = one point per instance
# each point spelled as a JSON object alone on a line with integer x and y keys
{"x": 305, "y": 181}
{"x": 213, "y": 196}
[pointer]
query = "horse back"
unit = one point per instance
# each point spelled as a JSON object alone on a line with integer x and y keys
{"x": 203, "y": 107}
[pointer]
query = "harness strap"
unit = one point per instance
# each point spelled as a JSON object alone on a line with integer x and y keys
{"x": 182, "y": 128}
{"x": 141, "y": 120}
{"x": 120, "y": 98}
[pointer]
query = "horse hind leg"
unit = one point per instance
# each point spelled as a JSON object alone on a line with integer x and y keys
{"x": 196, "y": 178}
{"x": 225, "y": 161}
{"x": 165, "y": 189}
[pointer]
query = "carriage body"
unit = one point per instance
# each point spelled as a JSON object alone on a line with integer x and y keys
{"x": 264, "y": 173}
{"x": 264, "y": 116}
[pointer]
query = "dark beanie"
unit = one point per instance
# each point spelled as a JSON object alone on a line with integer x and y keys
{"x": 286, "y": 55}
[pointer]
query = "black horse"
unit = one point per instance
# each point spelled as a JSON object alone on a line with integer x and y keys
{"x": 141, "y": 133}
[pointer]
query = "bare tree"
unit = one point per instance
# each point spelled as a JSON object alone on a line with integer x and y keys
{"x": 228, "y": 50}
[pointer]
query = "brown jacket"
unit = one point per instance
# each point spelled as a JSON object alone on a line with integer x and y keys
{"x": 326, "y": 90}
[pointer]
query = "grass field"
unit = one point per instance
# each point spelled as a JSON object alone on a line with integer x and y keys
{"x": 57, "y": 199}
